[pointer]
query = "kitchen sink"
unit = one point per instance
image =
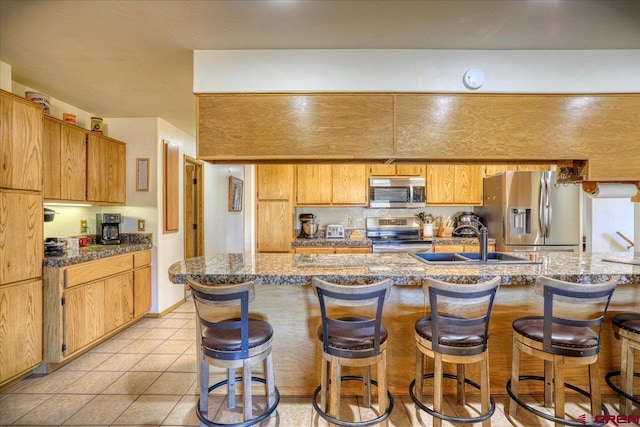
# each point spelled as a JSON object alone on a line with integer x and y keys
{"x": 470, "y": 258}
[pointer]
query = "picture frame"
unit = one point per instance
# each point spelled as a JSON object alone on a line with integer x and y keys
{"x": 142, "y": 174}
{"x": 236, "y": 194}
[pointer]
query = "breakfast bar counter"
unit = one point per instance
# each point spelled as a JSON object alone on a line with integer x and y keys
{"x": 285, "y": 298}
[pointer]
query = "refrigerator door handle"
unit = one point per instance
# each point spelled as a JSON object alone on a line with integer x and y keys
{"x": 541, "y": 207}
{"x": 548, "y": 211}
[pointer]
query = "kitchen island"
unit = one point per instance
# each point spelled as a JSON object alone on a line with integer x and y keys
{"x": 285, "y": 298}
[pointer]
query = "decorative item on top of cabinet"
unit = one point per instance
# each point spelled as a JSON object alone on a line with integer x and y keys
{"x": 65, "y": 161}
{"x": 401, "y": 170}
{"x": 454, "y": 184}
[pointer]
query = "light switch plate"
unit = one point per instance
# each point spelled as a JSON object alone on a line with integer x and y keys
{"x": 83, "y": 226}
{"x": 141, "y": 225}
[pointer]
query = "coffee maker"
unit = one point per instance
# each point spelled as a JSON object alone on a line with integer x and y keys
{"x": 308, "y": 226}
{"x": 108, "y": 225}
{"x": 466, "y": 223}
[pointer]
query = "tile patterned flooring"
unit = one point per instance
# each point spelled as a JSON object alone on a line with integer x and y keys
{"x": 146, "y": 376}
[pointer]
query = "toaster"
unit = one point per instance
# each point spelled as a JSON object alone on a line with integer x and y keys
{"x": 335, "y": 231}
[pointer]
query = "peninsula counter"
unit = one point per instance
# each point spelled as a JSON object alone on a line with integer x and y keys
{"x": 285, "y": 298}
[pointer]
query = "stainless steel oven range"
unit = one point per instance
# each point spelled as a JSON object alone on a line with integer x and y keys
{"x": 397, "y": 234}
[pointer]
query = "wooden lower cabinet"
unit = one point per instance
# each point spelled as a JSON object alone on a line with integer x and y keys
{"x": 20, "y": 328}
{"x": 460, "y": 248}
{"x": 332, "y": 250}
{"x": 274, "y": 225}
{"x": 88, "y": 302}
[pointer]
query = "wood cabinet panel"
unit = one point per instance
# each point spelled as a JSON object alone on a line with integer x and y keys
{"x": 21, "y": 249}
{"x": 171, "y": 174}
{"x": 118, "y": 298}
{"x": 313, "y": 184}
{"x": 106, "y": 171}
{"x": 390, "y": 170}
{"x": 315, "y": 250}
{"x": 440, "y": 184}
{"x": 274, "y": 182}
{"x": 141, "y": 259}
{"x": 353, "y": 250}
{"x": 454, "y": 184}
{"x": 468, "y": 184}
{"x": 448, "y": 248}
{"x": 382, "y": 170}
{"x": 410, "y": 170}
{"x": 349, "y": 184}
{"x": 87, "y": 272}
{"x": 274, "y": 126}
{"x": 51, "y": 159}
{"x": 20, "y": 328}
{"x": 274, "y": 226}
{"x": 21, "y": 129}
{"x": 141, "y": 291}
{"x": 83, "y": 316}
{"x": 65, "y": 161}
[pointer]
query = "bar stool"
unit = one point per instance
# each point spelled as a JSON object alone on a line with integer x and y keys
{"x": 455, "y": 331}
{"x": 563, "y": 336}
{"x": 230, "y": 343}
{"x": 357, "y": 339}
{"x": 626, "y": 327}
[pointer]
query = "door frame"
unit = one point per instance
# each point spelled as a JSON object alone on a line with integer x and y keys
{"x": 196, "y": 217}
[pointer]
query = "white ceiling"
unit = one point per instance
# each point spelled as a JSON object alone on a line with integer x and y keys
{"x": 134, "y": 58}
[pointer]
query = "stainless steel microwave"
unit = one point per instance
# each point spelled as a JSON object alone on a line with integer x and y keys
{"x": 397, "y": 192}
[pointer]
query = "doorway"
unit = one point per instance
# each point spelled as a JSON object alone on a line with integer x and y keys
{"x": 193, "y": 208}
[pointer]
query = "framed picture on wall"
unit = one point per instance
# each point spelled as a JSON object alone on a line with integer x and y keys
{"x": 236, "y": 193}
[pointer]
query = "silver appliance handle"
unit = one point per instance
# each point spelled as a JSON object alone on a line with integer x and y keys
{"x": 548, "y": 210}
{"x": 541, "y": 203}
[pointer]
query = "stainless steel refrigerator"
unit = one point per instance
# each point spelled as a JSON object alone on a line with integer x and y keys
{"x": 527, "y": 211}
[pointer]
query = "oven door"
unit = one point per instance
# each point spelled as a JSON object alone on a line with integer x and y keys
{"x": 386, "y": 246}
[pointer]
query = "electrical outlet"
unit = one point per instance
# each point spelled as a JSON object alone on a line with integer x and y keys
{"x": 141, "y": 225}
{"x": 83, "y": 226}
{"x": 351, "y": 222}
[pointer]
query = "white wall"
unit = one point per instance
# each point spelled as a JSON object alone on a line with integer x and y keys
{"x": 224, "y": 230}
{"x": 607, "y": 217}
{"x": 5, "y": 77}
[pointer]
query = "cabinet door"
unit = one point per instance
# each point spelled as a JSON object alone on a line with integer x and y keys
{"x": 274, "y": 182}
{"x": 21, "y": 217}
{"x": 117, "y": 173}
{"x": 83, "y": 316}
{"x": 468, "y": 184}
{"x": 21, "y": 328}
{"x": 315, "y": 250}
{"x": 313, "y": 184}
{"x": 97, "y": 169}
{"x": 274, "y": 226}
{"x": 491, "y": 169}
{"x": 440, "y": 184}
{"x": 410, "y": 170}
{"x": 141, "y": 291}
{"x": 73, "y": 161}
{"x": 51, "y": 159}
{"x": 382, "y": 170}
{"x": 526, "y": 167}
{"x": 448, "y": 248}
{"x": 349, "y": 184}
{"x": 353, "y": 250}
{"x": 118, "y": 299}
{"x": 20, "y": 143}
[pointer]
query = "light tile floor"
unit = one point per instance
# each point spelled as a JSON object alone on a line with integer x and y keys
{"x": 146, "y": 375}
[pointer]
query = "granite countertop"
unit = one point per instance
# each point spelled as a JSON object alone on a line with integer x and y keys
{"x": 322, "y": 241}
{"x": 459, "y": 241}
{"x": 132, "y": 243}
{"x": 403, "y": 269}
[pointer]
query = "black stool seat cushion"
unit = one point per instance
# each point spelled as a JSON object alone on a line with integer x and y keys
{"x": 561, "y": 335}
{"x": 229, "y": 340}
{"x": 627, "y": 321}
{"x": 352, "y": 339}
{"x": 452, "y": 336}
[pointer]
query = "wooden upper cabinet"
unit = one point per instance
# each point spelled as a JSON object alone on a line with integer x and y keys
{"x": 454, "y": 184}
{"x": 322, "y": 126}
{"x": 391, "y": 170}
{"x": 495, "y": 169}
{"x": 274, "y": 182}
{"x": 349, "y": 183}
{"x": 20, "y": 143}
{"x": 313, "y": 184}
{"x": 106, "y": 172}
{"x": 65, "y": 161}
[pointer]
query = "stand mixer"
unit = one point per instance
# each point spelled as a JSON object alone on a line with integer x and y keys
{"x": 308, "y": 226}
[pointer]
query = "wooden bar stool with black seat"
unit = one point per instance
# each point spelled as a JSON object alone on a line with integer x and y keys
{"x": 356, "y": 338}
{"x": 626, "y": 327}
{"x": 232, "y": 342}
{"x": 568, "y": 333}
{"x": 455, "y": 331}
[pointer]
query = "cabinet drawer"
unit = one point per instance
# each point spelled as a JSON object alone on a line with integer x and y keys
{"x": 88, "y": 272}
{"x": 141, "y": 259}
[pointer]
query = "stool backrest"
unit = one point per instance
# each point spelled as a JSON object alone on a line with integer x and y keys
{"x": 225, "y": 295}
{"x": 354, "y": 296}
{"x": 463, "y": 306}
{"x": 594, "y": 297}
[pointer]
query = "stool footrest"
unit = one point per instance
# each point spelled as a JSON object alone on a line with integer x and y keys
{"x": 246, "y": 423}
{"x": 549, "y": 417}
{"x": 617, "y": 389}
{"x": 382, "y": 417}
{"x": 488, "y": 414}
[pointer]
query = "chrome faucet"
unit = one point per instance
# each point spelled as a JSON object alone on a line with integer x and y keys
{"x": 482, "y": 233}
